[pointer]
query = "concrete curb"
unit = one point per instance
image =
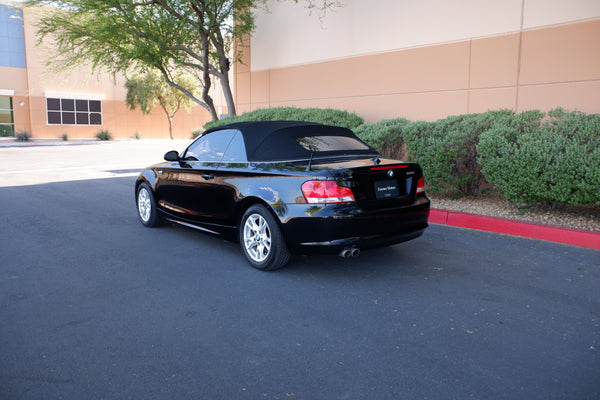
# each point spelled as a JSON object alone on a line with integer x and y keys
{"x": 551, "y": 233}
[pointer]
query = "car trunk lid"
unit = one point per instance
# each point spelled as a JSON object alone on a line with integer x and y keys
{"x": 388, "y": 183}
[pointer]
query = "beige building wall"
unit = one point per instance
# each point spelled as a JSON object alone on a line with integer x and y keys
{"x": 426, "y": 59}
{"x": 33, "y": 84}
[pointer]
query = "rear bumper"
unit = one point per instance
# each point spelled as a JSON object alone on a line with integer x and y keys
{"x": 332, "y": 228}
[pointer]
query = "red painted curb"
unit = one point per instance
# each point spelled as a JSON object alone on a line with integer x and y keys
{"x": 517, "y": 228}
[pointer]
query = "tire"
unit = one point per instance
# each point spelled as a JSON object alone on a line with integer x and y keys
{"x": 146, "y": 206}
{"x": 261, "y": 239}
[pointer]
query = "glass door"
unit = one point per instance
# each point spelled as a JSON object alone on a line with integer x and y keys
{"x": 7, "y": 122}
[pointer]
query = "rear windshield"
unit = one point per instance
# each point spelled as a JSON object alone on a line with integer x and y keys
{"x": 331, "y": 143}
{"x": 300, "y": 143}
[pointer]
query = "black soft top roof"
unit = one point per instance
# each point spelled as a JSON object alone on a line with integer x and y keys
{"x": 277, "y": 140}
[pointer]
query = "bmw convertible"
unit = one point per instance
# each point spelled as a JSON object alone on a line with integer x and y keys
{"x": 284, "y": 187}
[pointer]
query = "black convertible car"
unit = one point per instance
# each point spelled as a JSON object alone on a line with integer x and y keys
{"x": 282, "y": 187}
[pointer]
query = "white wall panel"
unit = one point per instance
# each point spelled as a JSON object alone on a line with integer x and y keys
{"x": 540, "y": 13}
{"x": 289, "y": 36}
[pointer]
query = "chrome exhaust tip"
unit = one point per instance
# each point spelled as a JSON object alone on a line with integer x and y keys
{"x": 347, "y": 253}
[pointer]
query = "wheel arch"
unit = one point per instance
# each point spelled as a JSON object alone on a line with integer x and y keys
{"x": 248, "y": 202}
{"x": 253, "y": 243}
{"x": 146, "y": 176}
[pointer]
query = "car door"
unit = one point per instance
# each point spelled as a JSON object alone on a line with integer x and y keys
{"x": 187, "y": 187}
{"x": 228, "y": 177}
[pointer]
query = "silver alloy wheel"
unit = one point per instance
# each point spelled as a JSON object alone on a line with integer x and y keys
{"x": 144, "y": 204}
{"x": 257, "y": 237}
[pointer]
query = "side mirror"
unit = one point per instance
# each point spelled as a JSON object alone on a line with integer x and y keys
{"x": 172, "y": 156}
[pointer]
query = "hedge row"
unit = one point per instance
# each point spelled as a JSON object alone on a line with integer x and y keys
{"x": 530, "y": 157}
{"x": 549, "y": 158}
{"x": 326, "y": 116}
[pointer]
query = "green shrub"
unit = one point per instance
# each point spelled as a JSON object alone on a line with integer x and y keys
{"x": 385, "y": 136}
{"x": 551, "y": 159}
{"x": 197, "y": 132}
{"x": 104, "y": 135}
{"x": 23, "y": 136}
{"x": 65, "y": 137}
{"x": 447, "y": 150}
{"x": 326, "y": 116}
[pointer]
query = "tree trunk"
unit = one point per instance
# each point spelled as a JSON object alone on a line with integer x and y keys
{"x": 228, "y": 95}
{"x": 223, "y": 73}
{"x": 171, "y": 127}
{"x": 170, "y": 118}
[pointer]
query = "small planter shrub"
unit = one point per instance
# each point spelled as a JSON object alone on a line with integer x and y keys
{"x": 23, "y": 136}
{"x": 550, "y": 159}
{"x": 198, "y": 131}
{"x": 104, "y": 135}
{"x": 326, "y": 116}
{"x": 65, "y": 137}
{"x": 386, "y": 136}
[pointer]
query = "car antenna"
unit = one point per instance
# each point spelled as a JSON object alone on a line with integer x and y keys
{"x": 377, "y": 161}
{"x": 309, "y": 161}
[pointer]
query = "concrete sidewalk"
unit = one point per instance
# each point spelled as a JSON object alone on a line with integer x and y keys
{"x": 37, "y": 142}
{"x": 13, "y": 142}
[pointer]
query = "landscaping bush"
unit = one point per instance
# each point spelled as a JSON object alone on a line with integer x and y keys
{"x": 326, "y": 116}
{"x": 104, "y": 135}
{"x": 447, "y": 150}
{"x": 385, "y": 136}
{"x": 23, "y": 136}
{"x": 551, "y": 159}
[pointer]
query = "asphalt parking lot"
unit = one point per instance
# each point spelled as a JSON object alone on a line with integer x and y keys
{"x": 95, "y": 306}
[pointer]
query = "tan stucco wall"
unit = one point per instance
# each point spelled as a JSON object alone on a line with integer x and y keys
{"x": 497, "y": 55}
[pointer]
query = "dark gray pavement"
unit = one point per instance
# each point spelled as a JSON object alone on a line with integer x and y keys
{"x": 95, "y": 306}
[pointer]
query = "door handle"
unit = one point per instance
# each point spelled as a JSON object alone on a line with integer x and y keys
{"x": 207, "y": 176}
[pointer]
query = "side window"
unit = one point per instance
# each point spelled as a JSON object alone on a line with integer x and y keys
{"x": 210, "y": 147}
{"x": 236, "y": 152}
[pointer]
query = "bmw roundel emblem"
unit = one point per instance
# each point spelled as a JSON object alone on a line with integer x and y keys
{"x": 391, "y": 173}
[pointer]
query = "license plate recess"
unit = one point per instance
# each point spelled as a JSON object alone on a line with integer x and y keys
{"x": 385, "y": 189}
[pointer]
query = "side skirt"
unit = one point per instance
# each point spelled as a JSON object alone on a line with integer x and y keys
{"x": 193, "y": 226}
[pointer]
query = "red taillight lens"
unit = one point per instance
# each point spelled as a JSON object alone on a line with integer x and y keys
{"x": 421, "y": 185}
{"x": 320, "y": 192}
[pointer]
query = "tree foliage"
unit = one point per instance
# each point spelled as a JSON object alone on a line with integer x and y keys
{"x": 148, "y": 90}
{"x": 170, "y": 36}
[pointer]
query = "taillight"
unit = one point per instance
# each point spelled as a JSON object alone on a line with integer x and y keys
{"x": 421, "y": 185}
{"x": 320, "y": 192}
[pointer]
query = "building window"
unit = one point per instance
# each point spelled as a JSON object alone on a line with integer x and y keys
{"x": 12, "y": 37}
{"x": 7, "y": 121}
{"x": 64, "y": 111}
